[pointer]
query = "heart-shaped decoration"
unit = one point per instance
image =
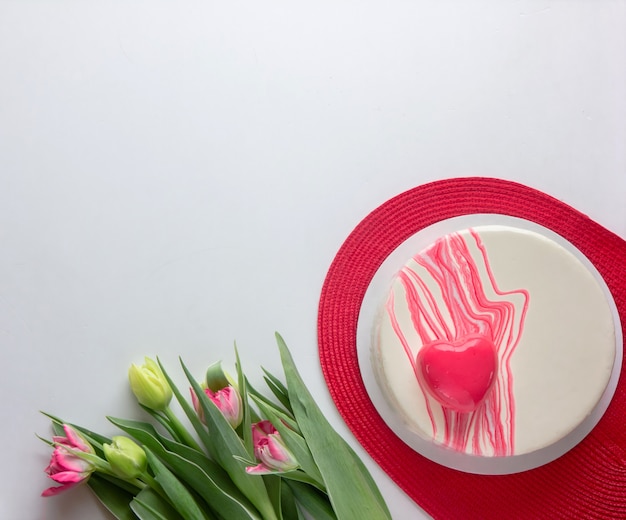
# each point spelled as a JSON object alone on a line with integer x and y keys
{"x": 459, "y": 375}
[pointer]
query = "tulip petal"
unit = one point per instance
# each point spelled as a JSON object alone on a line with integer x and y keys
{"x": 228, "y": 401}
{"x": 63, "y": 460}
{"x": 196, "y": 405}
{"x": 261, "y": 430}
{"x": 61, "y": 440}
{"x": 69, "y": 476}
{"x": 55, "y": 490}
{"x": 277, "y": 449}
{"x": 75, "y": 440}
{"x": 53, "y": 467}
{"x": 260, "y": 469}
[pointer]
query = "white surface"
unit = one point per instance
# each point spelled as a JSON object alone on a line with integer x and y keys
{"x": 565, "y": 367}
{"x": 178, "y": 175}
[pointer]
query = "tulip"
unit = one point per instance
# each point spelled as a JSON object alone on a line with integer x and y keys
{"x": 150, "y": 386}
{"x": 270, "y": 450}
{"x": 67, "y": 467}
{"x": 126, "y": 458}
{"x": 227, "y": 400}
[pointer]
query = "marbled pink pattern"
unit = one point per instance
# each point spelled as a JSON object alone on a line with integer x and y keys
{"x": 462, "y": 280}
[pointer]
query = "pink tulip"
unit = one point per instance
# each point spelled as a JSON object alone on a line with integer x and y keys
{"x": 270, "y": 450}
{"x": 66, "y": 466}
{"x": 227, "y": 400}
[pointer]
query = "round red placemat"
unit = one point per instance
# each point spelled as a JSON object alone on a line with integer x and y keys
{"x": 589, "y": 482}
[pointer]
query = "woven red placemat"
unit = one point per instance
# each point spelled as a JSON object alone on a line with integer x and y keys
{"x": 588, "y": 482}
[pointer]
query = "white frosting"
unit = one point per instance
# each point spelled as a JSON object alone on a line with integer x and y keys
{"x": 564, "y": 359}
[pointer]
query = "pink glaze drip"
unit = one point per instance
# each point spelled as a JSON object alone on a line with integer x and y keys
{"x": 468, "y": 331}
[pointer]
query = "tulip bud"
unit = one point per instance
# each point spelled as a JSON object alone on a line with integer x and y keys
{"x": 227, "y": 400}
{"x": 70, "y": 464}
{"x": 126, "y": 458}
{"x": 149, "y": 385}
{"x": 270, "y": 450}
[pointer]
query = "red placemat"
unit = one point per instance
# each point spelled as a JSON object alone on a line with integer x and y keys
{"x": 588, "y": 482}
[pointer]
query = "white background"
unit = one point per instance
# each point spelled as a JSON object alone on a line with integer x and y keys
{"x": 175, "y": 176}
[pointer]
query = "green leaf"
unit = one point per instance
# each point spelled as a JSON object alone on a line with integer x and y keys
{"x": 95, "y": 439}
{"x": 273, "y": 485}
{"x": 200, "y": 429}
{"x": 246, "y": 422}
{"x": 162, "y": 420}
{"x": 315, "y": 502}
{"x": 278, "y": 389}
{"x": 149, "y": 505}
{"x": 200, "y": 473}
{"x": 116, "y": 500}
{"x": 259, "y": 397}
{"x": 121, "y": 483}
{"x": 345, "y": 475}
{"x": 47, "y": 441}
{"x": 53, "y": 418}
{"x": 285, "y": 417}
{"x": 145, "y": 511}
{"x": 228, "y": 449}
{"x": 301, "y": 476}
{"x": 57, "y": 424}
{"x": 289, "y": 508}
{"x": 179, "y": 496}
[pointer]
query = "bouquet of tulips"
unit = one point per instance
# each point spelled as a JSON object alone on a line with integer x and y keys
{"x": 249, "y": 456}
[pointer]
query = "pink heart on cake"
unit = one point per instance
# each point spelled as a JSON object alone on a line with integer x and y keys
{"x": 459, "y": 375}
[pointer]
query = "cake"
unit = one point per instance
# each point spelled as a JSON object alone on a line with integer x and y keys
{"x": 494, "y": 341}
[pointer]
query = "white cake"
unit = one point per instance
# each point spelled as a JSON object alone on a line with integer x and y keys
{"x": 494, "y": 341}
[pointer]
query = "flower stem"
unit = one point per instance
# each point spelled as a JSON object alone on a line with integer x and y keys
{"x": 156, "y": 487}
{"x": 137, "y": 482}
{"x": 151, "y": 481}
{"x": 181, "y": 431}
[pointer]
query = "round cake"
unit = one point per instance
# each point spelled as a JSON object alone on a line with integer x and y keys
{"x": 494, "y": 341}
